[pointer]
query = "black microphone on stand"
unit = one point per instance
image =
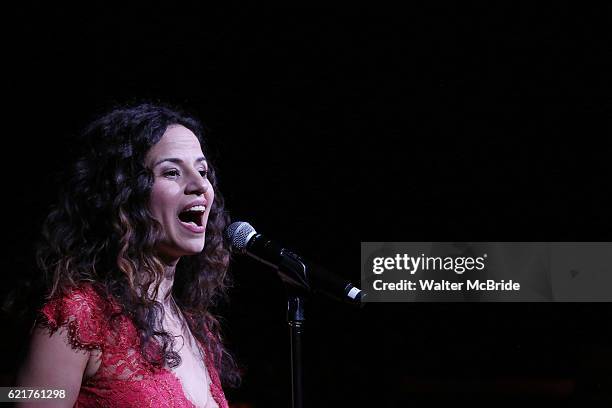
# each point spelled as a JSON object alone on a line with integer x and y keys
{"x": 291, "y": 268}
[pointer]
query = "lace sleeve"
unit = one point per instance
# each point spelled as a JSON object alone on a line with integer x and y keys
{"x": 81, "y": 311}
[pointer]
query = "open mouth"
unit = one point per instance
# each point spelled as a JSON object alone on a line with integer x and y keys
{"x": 193, "y": 215}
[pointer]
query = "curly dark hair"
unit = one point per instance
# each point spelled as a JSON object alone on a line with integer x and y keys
{"x": 102, "y": 232}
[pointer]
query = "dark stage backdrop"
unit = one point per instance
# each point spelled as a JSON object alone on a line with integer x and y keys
{"x": 334, "y": 126}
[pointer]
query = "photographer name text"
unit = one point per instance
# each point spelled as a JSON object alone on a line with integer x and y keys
{"x": 444, "y": 285}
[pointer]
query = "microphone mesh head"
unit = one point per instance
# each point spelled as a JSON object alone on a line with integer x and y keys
{"x": 239, "y": 233}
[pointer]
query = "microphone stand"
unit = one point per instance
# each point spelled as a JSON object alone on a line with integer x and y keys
{"x": 295, "y": 318}
{"x": 293, "y": 272}
{"x": 297, "y": 283}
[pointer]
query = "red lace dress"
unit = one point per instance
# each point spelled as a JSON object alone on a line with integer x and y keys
{"x": 125, "y": 378}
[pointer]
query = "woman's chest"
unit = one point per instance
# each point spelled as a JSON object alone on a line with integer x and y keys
{"x": 191, "y": 372}
{"x": 194, "y": 378}
{"x": 121, "y": 364}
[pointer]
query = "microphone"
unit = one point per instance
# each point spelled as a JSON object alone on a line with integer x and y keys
{"x": 290, "y": 267}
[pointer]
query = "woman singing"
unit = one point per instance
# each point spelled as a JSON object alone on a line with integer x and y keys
{"x": 135, "y": 259}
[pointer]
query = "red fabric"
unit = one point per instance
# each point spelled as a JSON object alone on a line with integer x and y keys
{"x": 125, "y": 378}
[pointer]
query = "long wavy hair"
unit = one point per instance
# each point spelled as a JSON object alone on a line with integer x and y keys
{"x": 101, "y": 231}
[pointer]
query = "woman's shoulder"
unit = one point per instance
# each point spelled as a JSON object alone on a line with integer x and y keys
{"x": 83, "y": 310}
{"x": 82, "y": 300}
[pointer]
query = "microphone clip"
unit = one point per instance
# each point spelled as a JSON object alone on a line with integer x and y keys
{"x": 294, "y": 271}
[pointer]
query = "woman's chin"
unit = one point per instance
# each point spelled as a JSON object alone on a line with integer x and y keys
{"x": 193, "y": 248}
{"x": 182, "y": 249}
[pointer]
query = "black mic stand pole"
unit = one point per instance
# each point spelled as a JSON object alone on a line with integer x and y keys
{"x": 295, "y": 318}
{"x": 297, "y": 282}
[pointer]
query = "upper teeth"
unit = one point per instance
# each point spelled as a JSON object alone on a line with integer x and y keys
{"x": 197, "y": 208}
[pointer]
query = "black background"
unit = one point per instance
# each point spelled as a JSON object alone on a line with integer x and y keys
{"x": 332, "y": 126}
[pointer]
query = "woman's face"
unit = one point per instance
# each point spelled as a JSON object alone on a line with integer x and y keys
{"x": 182, "y": 196}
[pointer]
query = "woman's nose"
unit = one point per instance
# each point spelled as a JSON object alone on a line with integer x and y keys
{"x": 196, "y": 185}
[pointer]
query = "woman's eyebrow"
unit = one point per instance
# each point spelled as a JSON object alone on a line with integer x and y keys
{"x": 178, "y": 161}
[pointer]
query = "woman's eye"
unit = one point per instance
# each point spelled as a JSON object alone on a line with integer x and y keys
{"x": 204, "y": 173}
{"x": 172, "y": 173}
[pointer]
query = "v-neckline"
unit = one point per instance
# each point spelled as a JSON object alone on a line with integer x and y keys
{"x": 207, "y": 376}
{"x": 203, "y": 354}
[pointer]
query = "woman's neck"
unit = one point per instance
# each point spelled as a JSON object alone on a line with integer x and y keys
{"x": 164, "y": 292}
